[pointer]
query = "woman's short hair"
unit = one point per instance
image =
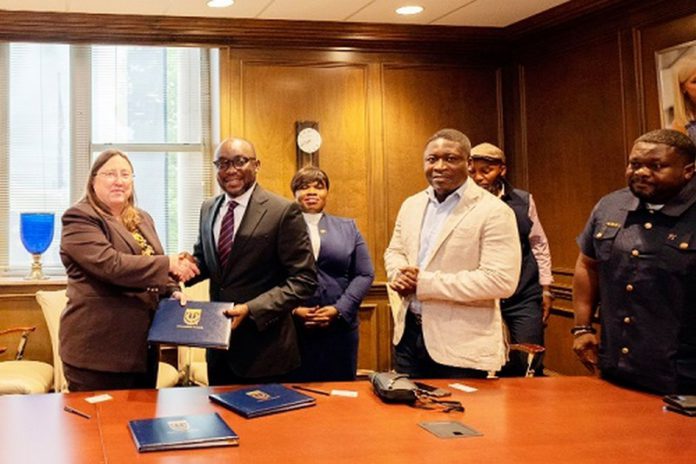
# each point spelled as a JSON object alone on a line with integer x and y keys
{"x": 129, "y": 215}
{"x": 307, "y": 175}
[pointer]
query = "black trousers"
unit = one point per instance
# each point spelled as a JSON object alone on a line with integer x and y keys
{"x": 412, "y": 358}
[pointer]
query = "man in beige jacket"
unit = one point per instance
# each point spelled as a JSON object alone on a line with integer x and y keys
{"x": 453, "y": 254}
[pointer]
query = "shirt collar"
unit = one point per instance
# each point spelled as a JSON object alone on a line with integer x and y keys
{"x": 243, "y": 199}
{"x": 312, "y": 218}
{"x": 674, "y": 207}
{"x": 430, "y": 191}
{"x": 682, "y": 201}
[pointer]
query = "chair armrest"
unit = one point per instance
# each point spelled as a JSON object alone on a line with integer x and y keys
{"x": 22, "y": 339}
{"x": 27, "y": 329}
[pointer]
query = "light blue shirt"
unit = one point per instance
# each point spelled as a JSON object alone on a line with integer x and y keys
{"x": 436, "y": 214}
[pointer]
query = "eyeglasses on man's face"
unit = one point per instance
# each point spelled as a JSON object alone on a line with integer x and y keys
{"x": 223, "y": 164}
{"x": 113, "y": 176}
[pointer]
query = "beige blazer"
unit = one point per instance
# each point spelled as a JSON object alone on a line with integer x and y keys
{"x": 474, "y": 262}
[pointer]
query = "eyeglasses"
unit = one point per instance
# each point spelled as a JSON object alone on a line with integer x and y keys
{"x": 113, "y": 176}
{"x": 223, "y": 164}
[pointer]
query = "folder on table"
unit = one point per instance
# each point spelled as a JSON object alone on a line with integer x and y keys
{"x": 181, "y": 432}
{"x": 262, "y": 400}
{"x": 198, "y": 323}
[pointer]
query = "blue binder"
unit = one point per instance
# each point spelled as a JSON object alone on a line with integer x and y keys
{"x": 199, "y": 323}
{"x": 181, "y": 432}
{"x": 262, "y": 400}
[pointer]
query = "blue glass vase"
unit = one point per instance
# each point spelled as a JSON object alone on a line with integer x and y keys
{"x": 36, "y": 230}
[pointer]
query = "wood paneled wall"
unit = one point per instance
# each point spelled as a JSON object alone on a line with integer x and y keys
{"x": 574, "y": 138}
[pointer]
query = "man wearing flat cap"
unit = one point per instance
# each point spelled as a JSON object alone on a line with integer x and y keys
{"x": 526, "y": 311}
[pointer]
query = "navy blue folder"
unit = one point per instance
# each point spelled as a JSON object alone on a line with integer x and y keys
{"x": 262, "y": 400}
{"x": 181, "y": 432}
{"x": 199, "y": 323}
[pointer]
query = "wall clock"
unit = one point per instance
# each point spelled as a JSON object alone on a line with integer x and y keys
{"x": 308, "y": 141}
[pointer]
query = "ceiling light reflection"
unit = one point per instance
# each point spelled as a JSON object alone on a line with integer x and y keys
{"x": 219, "y": 3}
{"x": 409, "y": 10}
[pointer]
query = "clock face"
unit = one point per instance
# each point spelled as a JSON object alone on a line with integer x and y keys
{"x": 309, "y": 140}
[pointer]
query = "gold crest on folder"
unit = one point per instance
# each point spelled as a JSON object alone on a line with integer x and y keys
{"x": 259, "y": 395}
{"x": 179, "y": 425}
{"x": 192, "y": 316}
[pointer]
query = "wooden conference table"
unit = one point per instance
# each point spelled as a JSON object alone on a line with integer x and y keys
{"x": 540, "y": 420}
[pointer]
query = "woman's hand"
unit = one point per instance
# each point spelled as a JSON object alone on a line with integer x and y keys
{"x": 317, "y": 316}
{"x": 304, "y": 312}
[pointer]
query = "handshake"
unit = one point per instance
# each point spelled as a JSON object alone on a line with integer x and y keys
{"x": 183, "y": 266}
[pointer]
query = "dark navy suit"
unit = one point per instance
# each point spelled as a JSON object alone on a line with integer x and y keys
{"x": 345, "y": 274}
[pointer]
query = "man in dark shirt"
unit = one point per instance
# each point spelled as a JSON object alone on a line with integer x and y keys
{"x": 638, "y": 260}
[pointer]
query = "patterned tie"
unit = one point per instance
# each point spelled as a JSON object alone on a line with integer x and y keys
{"x": 226, "y": 234}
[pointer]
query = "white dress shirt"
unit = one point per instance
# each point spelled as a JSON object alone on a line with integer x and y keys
{"x": 312, "y": 220}
{"x": 239, "y": 210}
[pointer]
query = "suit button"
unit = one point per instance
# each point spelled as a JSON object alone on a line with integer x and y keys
{"x": 635, "y": 252}
{"x": 627, "y": 320}
{"x": 629, "y": 288}
{"x": 624, "y": 350}
{"x": 648, "y": 225}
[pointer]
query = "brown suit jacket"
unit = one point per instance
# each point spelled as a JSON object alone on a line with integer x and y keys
{"x": 112, "y": 291}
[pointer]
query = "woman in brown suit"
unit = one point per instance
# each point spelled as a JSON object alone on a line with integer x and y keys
{"x": 116, "y": 275}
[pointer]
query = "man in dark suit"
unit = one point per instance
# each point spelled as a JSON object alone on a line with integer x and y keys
{"x": 258, "y": 255}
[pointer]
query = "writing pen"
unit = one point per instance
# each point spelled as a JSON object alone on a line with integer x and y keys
{"x": 72, "y": 410}
{"x": 311, "y": 390}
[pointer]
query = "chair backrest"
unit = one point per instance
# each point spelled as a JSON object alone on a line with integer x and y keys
{"x": 52, "y": 305}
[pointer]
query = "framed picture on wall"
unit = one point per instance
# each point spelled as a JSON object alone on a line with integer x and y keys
{"x": 676, "y": 74}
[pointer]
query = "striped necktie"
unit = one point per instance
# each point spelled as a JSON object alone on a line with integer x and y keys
{"x": 226, "y": 234}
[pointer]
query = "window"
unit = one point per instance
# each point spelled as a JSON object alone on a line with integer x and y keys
{"x": 65, "y": 104}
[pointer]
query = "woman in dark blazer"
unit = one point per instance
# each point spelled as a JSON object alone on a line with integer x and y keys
{"x": 327, "y": 323}
{"x": 116, "y": 274}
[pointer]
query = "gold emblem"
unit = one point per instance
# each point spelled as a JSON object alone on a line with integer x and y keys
{"x": 192, "y": 316}
{"x": 672, "y": 237}
{"x": 179, "y": 426}
{"x": 259, "y": 395}
{"x": 613, "y": 224}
